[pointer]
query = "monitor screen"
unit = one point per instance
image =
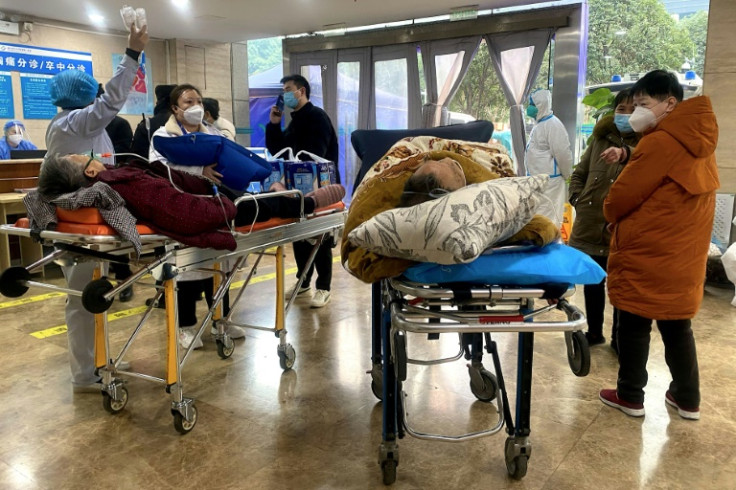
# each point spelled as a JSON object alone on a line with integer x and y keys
{"x": 25, "y": 154}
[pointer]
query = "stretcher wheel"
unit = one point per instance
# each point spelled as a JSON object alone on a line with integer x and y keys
{"x": 516, "y": 464}
{"x": 93, "y": 296}
{"x": 377, "y": 381}
{"x": 11, "y": 281}
{"x": 579, "y": 356}
{"x": 388, "y": 468}
{"x": 488, "y": 391}
{"x": 115, "y": 406}
{"x": 225, "y": 349}
{"x": 181, "y": 424}
{"x": 287, "y": 355}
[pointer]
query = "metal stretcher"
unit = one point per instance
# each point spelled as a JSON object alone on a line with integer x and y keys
{"x": 473, "y": 312}
{"x": 75, "y": 243}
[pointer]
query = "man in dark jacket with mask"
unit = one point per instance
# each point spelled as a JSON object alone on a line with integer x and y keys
{"x": 310, "y": 129}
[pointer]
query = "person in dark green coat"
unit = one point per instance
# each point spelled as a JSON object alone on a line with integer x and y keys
{"x": 604, "y": 159}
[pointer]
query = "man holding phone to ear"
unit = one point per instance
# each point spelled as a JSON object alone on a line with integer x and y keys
{"x": 310, "y": 129}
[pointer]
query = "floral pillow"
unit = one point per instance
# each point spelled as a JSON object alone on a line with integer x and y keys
{"x": 455, "y": 228}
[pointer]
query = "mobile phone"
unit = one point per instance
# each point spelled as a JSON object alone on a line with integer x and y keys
{"x": 280, "y": 103}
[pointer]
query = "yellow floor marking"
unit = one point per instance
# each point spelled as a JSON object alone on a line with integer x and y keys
{"x": 32, "y": 299}
{"x": 60, "y": 329}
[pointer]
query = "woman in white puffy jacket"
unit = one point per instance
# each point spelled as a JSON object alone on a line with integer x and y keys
{"x": 548, "y": 152}
{"x": 186, "y": 117}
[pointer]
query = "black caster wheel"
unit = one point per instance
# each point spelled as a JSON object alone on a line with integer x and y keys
{"x": 579, "y": 356}
{"x": 225, "y": 349}
{"x": 11, "y": 282}
{"x": 516, "y": 464}
{"x": 287, "y": 355}
{"x": 488, "y": 390}
{"x": 388, "y": 468}
{"x": 517, "y": 467}
{"x": 377, "y": 381}
{"x": 182, "y": 425}
{"x": 93, "y": 298}
{"x": 115, "y": 406}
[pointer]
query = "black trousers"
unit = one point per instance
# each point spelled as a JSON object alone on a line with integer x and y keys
{"x": 595, "y": 303}
{"x": 322, "y": 261}
{"x": 679, "y": 353}
{"x": 187, "y": 294}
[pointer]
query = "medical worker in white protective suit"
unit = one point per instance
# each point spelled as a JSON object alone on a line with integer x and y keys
{"x": 548, "y": 152}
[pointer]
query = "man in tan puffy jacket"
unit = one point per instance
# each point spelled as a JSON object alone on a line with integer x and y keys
{"x": 661, "y": 209}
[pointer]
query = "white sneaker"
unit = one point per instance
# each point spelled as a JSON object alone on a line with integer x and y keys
{"x": 320, "y": 298}
{"x": 301, "y": 291}
{"x": 186, "y": 336}
{"x": 233, "y": 331}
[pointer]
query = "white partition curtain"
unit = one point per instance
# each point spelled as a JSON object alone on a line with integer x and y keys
{"x": 457, "y": 55}
{"x": 517, "y": 58}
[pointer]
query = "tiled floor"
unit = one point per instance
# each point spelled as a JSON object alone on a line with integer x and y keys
{"x": 319, "y": 425}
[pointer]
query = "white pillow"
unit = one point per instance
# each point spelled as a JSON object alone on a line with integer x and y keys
{"x": 455, "y": 228}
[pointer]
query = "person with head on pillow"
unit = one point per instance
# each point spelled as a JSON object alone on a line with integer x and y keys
{"x": 80, "y": 128}
{"x": 433, "y": 179}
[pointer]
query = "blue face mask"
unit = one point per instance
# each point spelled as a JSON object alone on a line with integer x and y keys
{"x": 290, "y": 100}
{"x": 622, "y": 123}
{"x": 532, "y": 111}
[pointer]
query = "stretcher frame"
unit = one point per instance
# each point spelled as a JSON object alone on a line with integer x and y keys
{"x": 170, "y": 259}
{"x": 473, "y": 312}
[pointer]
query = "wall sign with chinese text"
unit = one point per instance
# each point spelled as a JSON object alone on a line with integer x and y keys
{"x": 38, "y": 60}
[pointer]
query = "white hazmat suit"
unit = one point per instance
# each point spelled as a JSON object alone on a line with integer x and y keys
{"x": 548, "y": 152}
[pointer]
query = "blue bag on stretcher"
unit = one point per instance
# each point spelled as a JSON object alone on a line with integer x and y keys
{"x": 276, "y": 163}
{"x": 309, "y": 171}
{"x": 237, "y": 165}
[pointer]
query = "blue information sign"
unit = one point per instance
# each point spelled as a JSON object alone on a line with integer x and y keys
{"x": 36, "y": 101}
{"x": 32, "y": 59}
{"x": 7, "y": 111}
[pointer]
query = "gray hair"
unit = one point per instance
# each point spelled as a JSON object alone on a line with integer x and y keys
{"x": 59, "y": 175}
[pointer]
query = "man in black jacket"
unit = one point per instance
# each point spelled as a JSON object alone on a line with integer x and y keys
{"x": 310, "y": 129}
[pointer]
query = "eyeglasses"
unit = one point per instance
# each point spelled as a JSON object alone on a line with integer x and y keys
{"x": 87, "y": 164}
{"x": 433, "y": 194}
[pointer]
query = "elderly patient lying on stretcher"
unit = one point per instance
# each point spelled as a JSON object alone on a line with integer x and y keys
{"x": 439, "y": 201}
{"x": 175, "y": 203}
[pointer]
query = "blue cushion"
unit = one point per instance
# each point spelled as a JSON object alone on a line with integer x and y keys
{"x": 555, "y": 263}
{"x": 371, "y": 144}
{"x": 238, "y": 165}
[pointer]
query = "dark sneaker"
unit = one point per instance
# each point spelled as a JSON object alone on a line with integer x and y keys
{"x": 610, "y": 398}
{"x": 688, "y": 413}
{"x": 126, "y": 294}
{"x": 594, "y": 339}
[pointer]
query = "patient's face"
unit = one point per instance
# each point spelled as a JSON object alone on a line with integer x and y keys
{"x": 92, "y": 169}
{"x": 447, "y": 171}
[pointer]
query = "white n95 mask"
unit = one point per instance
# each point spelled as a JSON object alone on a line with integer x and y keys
{"x": 642, "y": 119}
{"x": 194, "y": 115}
{"x": 15, "y": 139}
